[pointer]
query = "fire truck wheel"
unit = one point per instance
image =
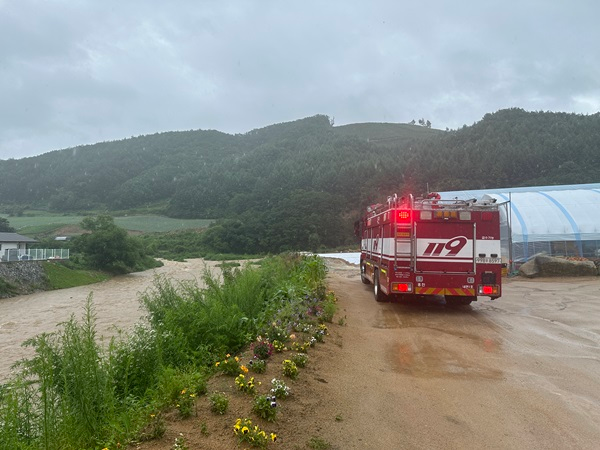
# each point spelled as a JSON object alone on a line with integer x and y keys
{"x": 379, "y": 295}
{"x": 458, "y": 300}
{"x": 363, "y": 277}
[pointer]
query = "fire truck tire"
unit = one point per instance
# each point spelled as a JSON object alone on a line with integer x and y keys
{"x": 379, "y": 295}
{"x": 363, "y": 277}
{"x": 458, "y": 300}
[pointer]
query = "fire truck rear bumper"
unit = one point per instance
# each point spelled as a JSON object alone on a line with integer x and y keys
{"x": 444, "y": 291}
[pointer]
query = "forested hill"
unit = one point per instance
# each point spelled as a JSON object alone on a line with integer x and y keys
{"x": 513, "y": 147}
{"x": 306, "y": 180}
{"x": 203, "y": 173}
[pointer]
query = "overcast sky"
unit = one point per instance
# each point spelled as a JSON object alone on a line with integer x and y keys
{"x": 77, "y": 72}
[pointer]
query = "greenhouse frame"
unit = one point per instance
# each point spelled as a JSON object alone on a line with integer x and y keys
{"x": 556, "y": 220}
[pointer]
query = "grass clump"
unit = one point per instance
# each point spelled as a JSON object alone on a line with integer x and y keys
{"x": 317, "y": 443}
{"x": 300, "y": 359}
{"x": 7, "y": 289}
{"x": 219, "y": 402}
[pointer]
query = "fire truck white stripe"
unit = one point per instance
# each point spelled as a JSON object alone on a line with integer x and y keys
{"x": 442, "y": 259}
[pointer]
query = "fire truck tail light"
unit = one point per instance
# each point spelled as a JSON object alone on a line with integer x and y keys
{"x": 487, "y": 289}
{"x": 464, "y": 215}
{"x": 426, "y": 215}
{"x": 402, "y": 287}
{"x": 404, "y": 216}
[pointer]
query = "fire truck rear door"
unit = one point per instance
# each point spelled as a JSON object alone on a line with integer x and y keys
{"x": 444, "y": 247}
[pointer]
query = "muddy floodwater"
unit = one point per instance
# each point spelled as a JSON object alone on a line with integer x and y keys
{"x": 116, "y": 303}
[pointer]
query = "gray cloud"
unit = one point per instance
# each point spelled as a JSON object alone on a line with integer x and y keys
{"x": 74, "y": 73}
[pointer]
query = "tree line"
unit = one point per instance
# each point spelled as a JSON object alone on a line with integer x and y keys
{"x": 301, "y": 184}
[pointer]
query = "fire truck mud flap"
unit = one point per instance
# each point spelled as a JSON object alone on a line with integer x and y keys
{"x": 459, "y": 300}
{"x": 363, "y": 274}
{"x": 379, "y": 295}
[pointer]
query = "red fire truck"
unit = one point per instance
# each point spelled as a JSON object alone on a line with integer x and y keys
{"x": 414, "y": 247}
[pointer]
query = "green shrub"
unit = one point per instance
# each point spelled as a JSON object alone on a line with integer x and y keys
{"x": 186, "y": 403}
{"x": 330, "y": 307}
{"x": 135, "y": 362}
{"x": 172, "y": 381}
{"x": 265, "y": 407}
{"x": 73, "y": 383}
{"x": 219, "y": 402}
{"x": 7, "y": 289}
{"x": 257, "y": 365}
{"x": 300, "y": 359}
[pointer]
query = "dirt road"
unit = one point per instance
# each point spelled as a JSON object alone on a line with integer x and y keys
{"x": 116, "y": 302}
{"x": 520, "y": 372}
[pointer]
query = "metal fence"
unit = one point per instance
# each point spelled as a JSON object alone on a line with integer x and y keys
{"x": 34, "y": 254}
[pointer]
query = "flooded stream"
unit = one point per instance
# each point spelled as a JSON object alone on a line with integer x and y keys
{"x": 116, "y": 303}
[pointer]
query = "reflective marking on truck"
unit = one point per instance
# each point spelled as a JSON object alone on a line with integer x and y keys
{"x": 444, "y": 291}
{"x": 454, "y": 246}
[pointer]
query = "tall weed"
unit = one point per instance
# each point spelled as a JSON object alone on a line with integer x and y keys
{"x": 83, "y": 378}
{"x": 193, "y": 324}
{"x": 19, "y": 416}
{"x": 134, "y": 361}
{"x": 62, "y": 397}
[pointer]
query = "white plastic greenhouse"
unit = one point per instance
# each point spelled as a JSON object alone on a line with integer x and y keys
{"x": 557, "y": 220}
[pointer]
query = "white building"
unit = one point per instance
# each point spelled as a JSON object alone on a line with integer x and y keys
{"x": 13, "y": 246}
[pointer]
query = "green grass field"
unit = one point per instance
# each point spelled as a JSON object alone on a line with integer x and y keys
{"x": 61, "y": 277}
{"x": 44, "y": 223}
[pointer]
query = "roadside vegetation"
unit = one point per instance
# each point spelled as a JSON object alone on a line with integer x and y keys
{"x": 76, "y": 392}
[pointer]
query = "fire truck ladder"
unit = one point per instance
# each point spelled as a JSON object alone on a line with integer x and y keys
{"x": 403, "y": 259}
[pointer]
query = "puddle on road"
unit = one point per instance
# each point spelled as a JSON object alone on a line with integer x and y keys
{"x": 443, "y": 344}
{"x": 431, "y": 361}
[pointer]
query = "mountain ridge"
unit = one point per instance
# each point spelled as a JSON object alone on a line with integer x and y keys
{"x": 260, "y": 179}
